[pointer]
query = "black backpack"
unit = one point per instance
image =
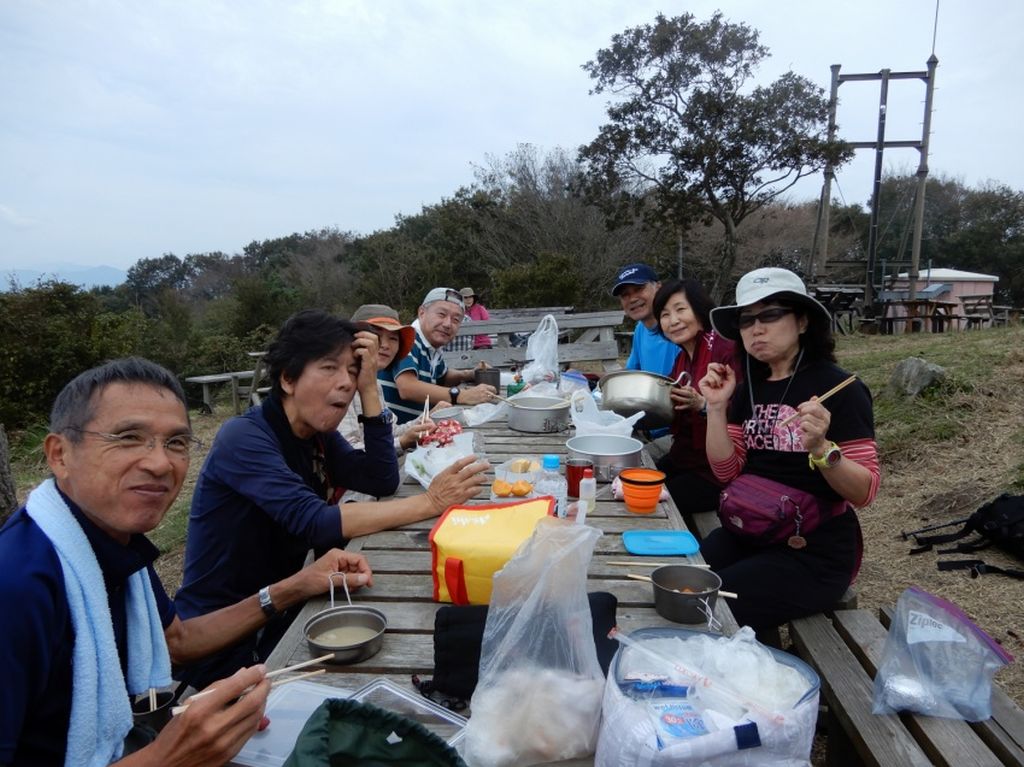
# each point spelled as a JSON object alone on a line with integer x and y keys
{"x": 998, "y": 523}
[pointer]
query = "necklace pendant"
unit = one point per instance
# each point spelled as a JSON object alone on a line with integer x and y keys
{"x": 797, "y": 542}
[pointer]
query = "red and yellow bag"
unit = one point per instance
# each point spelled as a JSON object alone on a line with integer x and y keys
{"x": 470, "y": 543}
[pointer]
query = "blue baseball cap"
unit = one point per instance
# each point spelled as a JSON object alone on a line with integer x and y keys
{"x": 634, "y": 274}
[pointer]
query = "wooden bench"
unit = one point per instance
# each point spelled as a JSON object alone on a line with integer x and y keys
{"x": 592, "y": 339}
{"x": 845, "y": 649}
{"x": 234, "y": 379}
{"x": 977, "y": 310}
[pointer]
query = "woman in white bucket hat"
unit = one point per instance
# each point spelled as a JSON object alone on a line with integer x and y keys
{"x": 816, "y": 466}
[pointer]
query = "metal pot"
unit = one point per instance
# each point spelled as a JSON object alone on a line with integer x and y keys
{"x": 627, "y": 392}
{"x": 676, "y": 605}
{"x": 341, "y": 617}
{"x": 347, "y": 617}
{"x": 610, "y": 453}
{"x": 538, "y": 415}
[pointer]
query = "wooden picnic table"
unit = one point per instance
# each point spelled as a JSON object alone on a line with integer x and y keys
{"x": 593, "y": 339}
{"x": 218, "y": 378}
{"x": 914, "y": 312}
{"x": 403, "y": 586}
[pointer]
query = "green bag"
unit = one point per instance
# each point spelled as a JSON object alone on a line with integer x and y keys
{"x": 346, "y": 732}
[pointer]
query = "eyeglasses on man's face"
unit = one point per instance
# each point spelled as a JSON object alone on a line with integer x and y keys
{"x": 133, "y": 442}
{"x": 765, "y": 317}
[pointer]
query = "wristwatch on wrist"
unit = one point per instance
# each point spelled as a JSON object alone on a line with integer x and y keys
{"x": 381, "y": 419}
{"x": 454, "y": 394}
{"x": 266, "y": 603}
{"x": 830, "y": 458}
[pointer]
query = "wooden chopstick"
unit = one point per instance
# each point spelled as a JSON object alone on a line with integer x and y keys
{"x": 297, "y": 677}
{"x": 726, "y": 594}
{"x": 822, "y": 398}
{"x": 656, "y": 564}
{"x": 297, "y": 666}
{"x": 178, "y": 709}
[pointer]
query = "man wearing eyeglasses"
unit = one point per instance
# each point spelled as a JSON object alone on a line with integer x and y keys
{"x": 423, "y": 373}
{"x": 86, "y": 620}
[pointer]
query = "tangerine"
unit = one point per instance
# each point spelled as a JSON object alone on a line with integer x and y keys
{"x": 521, "y": 487}
{"x": 501, "y": 488}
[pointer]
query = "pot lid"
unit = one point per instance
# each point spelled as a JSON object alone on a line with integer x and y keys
{"x": 660, "y": 542}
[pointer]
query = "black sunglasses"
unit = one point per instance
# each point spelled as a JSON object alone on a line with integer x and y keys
{"x": 765, "y": 317}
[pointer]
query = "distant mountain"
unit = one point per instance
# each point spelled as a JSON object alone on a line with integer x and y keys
{"x": 76, "y": 274}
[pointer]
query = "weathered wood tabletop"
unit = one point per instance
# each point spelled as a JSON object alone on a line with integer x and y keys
{"x": 403, "y": 586}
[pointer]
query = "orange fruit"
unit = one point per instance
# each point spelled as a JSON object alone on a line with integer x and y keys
{"x": 501, "y": 488}
{"x": 521, "y": 487}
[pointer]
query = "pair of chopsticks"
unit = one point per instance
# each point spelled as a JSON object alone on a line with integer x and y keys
{"x": 648, "y": 579}
{"x": 822, "y": 398}
{"x": 270, "y": 674}
{"x": 426, "y": 410}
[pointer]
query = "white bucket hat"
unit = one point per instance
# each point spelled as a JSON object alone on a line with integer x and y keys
{"x": 760, "y": 285}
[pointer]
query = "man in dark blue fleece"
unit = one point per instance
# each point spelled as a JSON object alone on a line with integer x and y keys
{"x": 270, "y": 486}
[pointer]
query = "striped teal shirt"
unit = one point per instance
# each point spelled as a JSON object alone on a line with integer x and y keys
{"x": 428, "y": 364}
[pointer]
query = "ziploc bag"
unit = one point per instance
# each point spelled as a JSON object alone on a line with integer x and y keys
{"x": 936, "y": 661}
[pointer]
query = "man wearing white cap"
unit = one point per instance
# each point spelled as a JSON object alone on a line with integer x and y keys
{"x": 423, "y": 373}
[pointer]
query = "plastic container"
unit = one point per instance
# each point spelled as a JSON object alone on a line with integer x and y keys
{"x": 588, "y": 491}
{"x": 516, "y": 479}
{"x": 552, "y": 483}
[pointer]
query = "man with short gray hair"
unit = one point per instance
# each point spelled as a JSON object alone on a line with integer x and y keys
{"x": 423, "y": 373}
{"x": 87, "y": 622}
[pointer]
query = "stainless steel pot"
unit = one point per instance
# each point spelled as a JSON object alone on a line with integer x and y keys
{"x": 627, "y": 392}
{"x": 538, "y": 415}
{"x": 685, "y": 594}
{"x": 609, "y": 453}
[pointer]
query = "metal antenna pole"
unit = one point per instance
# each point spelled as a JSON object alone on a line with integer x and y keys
{"x": 922, "y": 179}
{"x": 869, "y": 286}
{"x": 825, "y": 203}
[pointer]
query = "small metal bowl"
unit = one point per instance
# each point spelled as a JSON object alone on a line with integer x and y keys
{"x": 346, "y": 616}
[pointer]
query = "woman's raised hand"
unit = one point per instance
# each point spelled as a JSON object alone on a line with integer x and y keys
{"x": 718, "y": 385}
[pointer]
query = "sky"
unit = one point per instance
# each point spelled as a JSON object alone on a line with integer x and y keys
{"x": 133, "y": 129}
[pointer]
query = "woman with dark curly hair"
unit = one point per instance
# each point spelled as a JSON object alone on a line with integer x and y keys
{"x": 683, "y": 309}
{"x": 785, "y": 454}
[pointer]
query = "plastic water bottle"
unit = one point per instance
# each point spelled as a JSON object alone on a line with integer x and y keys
{"x": 552, "y": 483}
{"x": 588, "y": 491}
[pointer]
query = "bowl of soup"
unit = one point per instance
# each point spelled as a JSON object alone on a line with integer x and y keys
{"x": 352, "y": 632}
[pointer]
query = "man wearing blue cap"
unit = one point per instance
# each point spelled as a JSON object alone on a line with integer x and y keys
{"x": 635, "y": 286}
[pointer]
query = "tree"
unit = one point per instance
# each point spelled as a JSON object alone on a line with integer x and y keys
{"x": 688, "y": 140}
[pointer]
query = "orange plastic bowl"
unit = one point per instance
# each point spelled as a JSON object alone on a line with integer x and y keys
{"x": 641, "y": 489}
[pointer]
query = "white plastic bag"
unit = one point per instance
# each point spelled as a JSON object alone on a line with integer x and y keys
{"x": 539, "y": 695}
{"x": 589, "y": 420}
{"x": 542, "y": 351}
{"x": 425, "y": 463}
{"x": 774, "y": 728}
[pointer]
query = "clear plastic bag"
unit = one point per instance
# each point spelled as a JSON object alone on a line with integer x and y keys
{"x": 542, "y": 351}
{"x": 588, "y": 419}
{"x": 936, "y": 661}
{"x": 540, "y": 689}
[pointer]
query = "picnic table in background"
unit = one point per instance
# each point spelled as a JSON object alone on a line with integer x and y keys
{"x": 591, "y": 337}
